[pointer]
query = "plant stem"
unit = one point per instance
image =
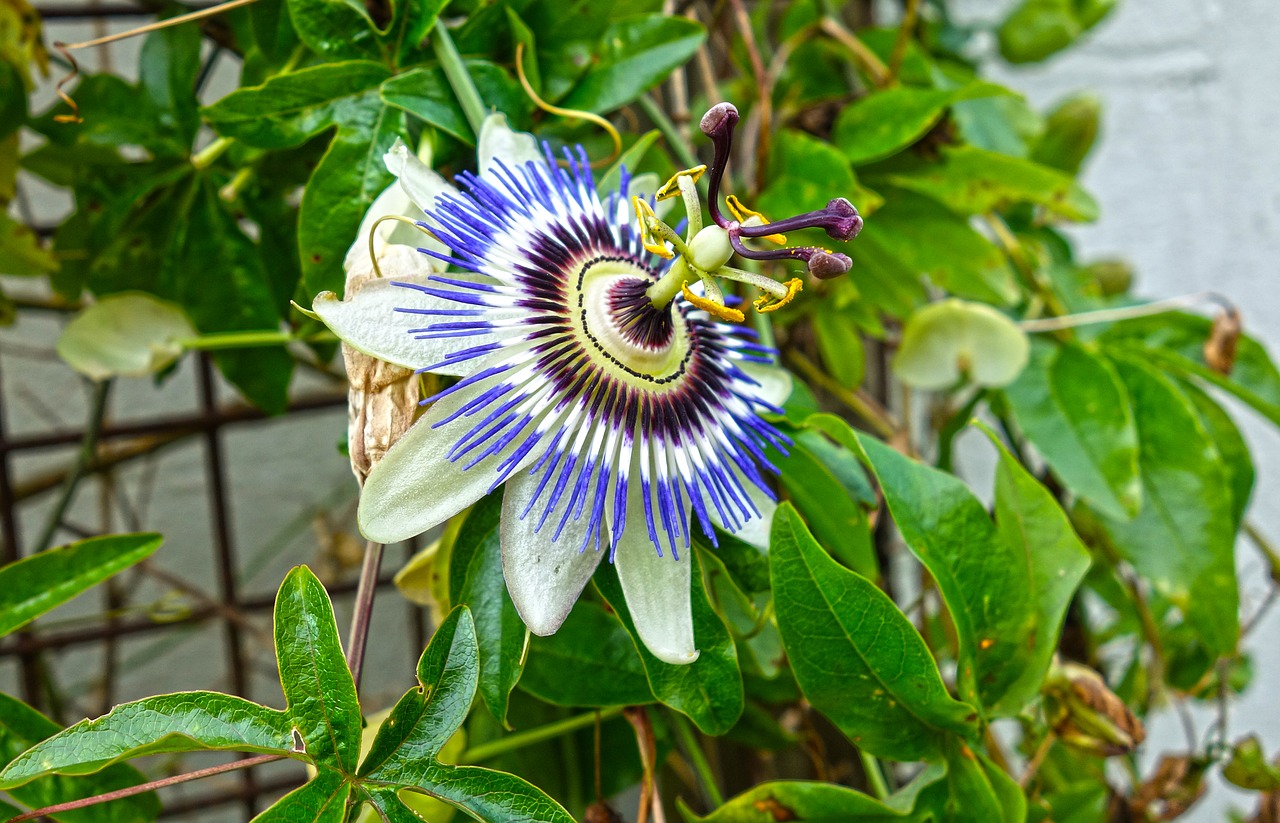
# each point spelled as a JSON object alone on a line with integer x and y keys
{"x": 205, "y": 158}
{"x": 878, "y": 418}
{"x": 909, "y": 17}
{"x": 1088, "y": 318}
{"x": 365, "y": 591}
{"x": 684, "y": 153}
{"x": 88, "y": 450}
{"x": 512, "y": 742}
{"x": 146, "y": 787}
{"x": 875, "y": 777}
{"x": 244, "y": 339}
{"x": 692, "y": 748}
{"x": 459, "y": 79}
{"x": 862, "y": 55}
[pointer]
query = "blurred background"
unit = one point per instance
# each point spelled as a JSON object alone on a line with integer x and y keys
{"x": 1187, "y": 172}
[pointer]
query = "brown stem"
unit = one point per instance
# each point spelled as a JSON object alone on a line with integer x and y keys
{"x": 639, "y": 720}
{"x": 863, "y": 56}
{"x": 865, "y": 407}
{"x": 143, "y": 788}
{"x": 909, "y": 17}
{"x": 360, "y": 621}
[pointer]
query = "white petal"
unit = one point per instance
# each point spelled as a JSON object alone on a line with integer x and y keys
{"x": 657, "y": 592}
{"x": 368, "y": 321}
{"x": 513, "y": 148}
{"x": 756, "y": 530}
{"x": 417, "y": 180}
{"x": 544, "y": 578}
{"x": 775, "y": 382}
{"x": 415, "y": 486}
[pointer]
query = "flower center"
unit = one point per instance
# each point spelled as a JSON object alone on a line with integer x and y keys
{"x": 622, "y": 327}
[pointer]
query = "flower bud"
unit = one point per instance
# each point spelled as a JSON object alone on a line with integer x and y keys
{"x": 1088, "y": 715}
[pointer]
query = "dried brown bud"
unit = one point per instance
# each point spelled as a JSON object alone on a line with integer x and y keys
{"x": 1175, "y": 787}
{"x": 1086, "y": 714}
{"x": 1220, "y": 348}
{"x": 382, "y": 399}
{"x": 601, "y": 813}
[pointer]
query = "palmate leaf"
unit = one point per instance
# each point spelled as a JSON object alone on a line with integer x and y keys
{"x": 321, "y": 726}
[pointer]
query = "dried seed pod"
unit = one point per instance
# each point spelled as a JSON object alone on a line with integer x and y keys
{"x": 1220, "y": 348}
{"x": 1088, "y": 715}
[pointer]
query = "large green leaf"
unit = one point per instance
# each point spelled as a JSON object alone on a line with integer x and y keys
{"x": 1177, "y": 340}
{"x": 424, "y": 92}
{"x": 1071, "y": 405}
{"x": 1236, "y": 459}
{"x": 1032, "y": 522}
{"x": 475, "y": 579}
{"x": 21, "y": 727}
{"x": 1182, "y": 540}
{"x": 21, "y": 253}
{"x": 167, "y": 70}
{"x": 317, "y": 684}
{"x": 404, "y": 752}
{"x": 183, "y": 722}
{"x": 975, "y": 181}
{"x": 289, "y": 108}
{"x": 635, "y": 54}
{"x": 33, "y": 586}
{"x": 857, "y": 658}
{"x": 1036, "y": 29}
{"x": 837, "y": 520}
{"x": 813, "y": 802}
{"x": 887, "y": 121}
{"x": 337, "y": 29}
{"x": 975, "y": 791}
{"x": 589, "y": 661}
{"x": 708, "y": 690}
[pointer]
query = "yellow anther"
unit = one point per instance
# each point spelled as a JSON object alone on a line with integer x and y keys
{"x": 743, "y": 214}
{"x": 712, "y": 307}
{"x": 671, "y": 188}
{"x": 769, "y": 302}
{"x": 644, "y": 214}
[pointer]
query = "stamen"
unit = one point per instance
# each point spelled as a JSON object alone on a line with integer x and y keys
{"x": 672, "y": 187}
{"x": 684, "y": 183}
{"x": 769, "y": 302}
{"x": 711, "y": 307}
{"x": 652, "y": 229}
{"x": 745, "y": 215}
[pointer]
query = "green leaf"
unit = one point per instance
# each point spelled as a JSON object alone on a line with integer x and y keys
{"x": 888, "y": 121}
{"x": 805, "y": 173}
{"x": 336, "y": 29}
{"x": 1182, "y": 540}
{"x": 629, "y": 160}
{"x": 414, "y": 20}
{"x": 125, "y": 335}
{"x": 952, "y": 339}
{"x": 975, "y": 791}
{"x": 22, "y": 727}
{"x": 476, "y": 580}
{"x": 1236, "y": 459}
{"x": 183, "y": 722}
{"x": 1249, "y": 769}
{"x": 589, "y": 661}
{"x": 424, "y": 92}
{"x": 1070, "y": 404}
{"x": 322, "y": 799}
{"x": 313, "y": 672}
{"x": 21, "y": 254}
{"x": 807, "y": 801}
{"x": 290, "y": 108}
{"x": 927, "y": 238}
{"x": 857, "y": 658}
{"x": 838, "y": 521}
{"x": 983, "y": 580}
{"x": 709, "y": 690}
{"x": 350, "y": 176}
{"x": 1039, "y": 28}
{"x": 636, "y": 53}
{"x": 404, "y": 751}
{"x": 970, "y": 181}
{"x": 167, "y": 70}
{"x": 1177, "y": 340}
{"x": 33, "y": 586}
{"x": 1032, "y": 522}
{"x": 840, "y": 344}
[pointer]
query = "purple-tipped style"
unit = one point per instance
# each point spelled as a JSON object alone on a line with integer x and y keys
{"x": 839, "y": 219}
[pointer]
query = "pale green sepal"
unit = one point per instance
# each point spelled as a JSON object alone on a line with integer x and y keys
{"x": 953, "y": 338}
{"x": 513, "y": 148}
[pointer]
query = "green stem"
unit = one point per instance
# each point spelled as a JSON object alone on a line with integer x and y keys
{"x": 684, "y": 153}
{"x": 875, "y": 777}
{"x": 698, "y": 758}
{"x": 205, "y": 158}
{"x": 244, "y": 339}
{"x": 85, "y": 458}
{"x": 459, "y": 79}
{"x": 512, "y": 742}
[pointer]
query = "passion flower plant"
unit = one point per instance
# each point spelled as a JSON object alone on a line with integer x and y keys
{"x": 601, "y": 381}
